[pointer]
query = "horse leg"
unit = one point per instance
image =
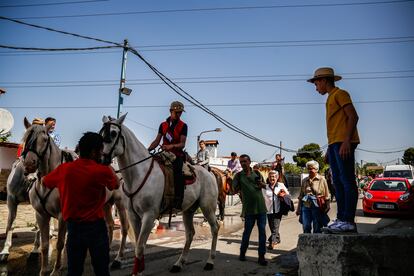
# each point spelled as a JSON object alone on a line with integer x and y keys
{"x": 12, "y": 207}
{"x": 36, "y": 243}
{"x": 146, "y": 226}
{"x": 43, "y": 222}
{"x": 188, "y": 216}
{"x": 209, "y": 214}
{"x": 60, "y": 243}
{"x": 221, "y": 205}
{"x": 116, "y": 264}
{"x": 109, "y": 221}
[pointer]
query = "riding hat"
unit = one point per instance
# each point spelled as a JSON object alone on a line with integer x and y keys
{"x": 177, "y": 106}
{"x": 324, "y": 72}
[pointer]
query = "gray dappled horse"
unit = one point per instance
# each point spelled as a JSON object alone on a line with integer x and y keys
{"x": 42, "y": 155}
{"x": 144, "y": 185}
{"x": 18, "y": 186}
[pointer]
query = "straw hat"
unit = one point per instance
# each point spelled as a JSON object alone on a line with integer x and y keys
{"x": 324, "y": 72}
{"x": 177, "y": 106}
{"x": 38, "y": 121}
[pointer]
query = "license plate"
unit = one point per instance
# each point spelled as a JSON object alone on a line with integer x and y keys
{"x": 385, "y": 206}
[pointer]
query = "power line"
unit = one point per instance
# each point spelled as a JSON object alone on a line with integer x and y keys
{"x": 243, "y": 45}
{"x": 51, "y": 4}
{"x": 382, "y": 152}
{"x": 213, "y": 9}
{"x": 208, "y": 77}
{"x": 58, "y": 31}
{"x": 210, "y": 105}
{"x": 197, "y": 82}
{"x": 58, "y": 49}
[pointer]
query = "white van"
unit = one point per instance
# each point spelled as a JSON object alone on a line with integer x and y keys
{"x": 406, "y": 171}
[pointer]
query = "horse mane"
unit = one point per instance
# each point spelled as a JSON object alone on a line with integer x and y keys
{"x": 29, "y": 131}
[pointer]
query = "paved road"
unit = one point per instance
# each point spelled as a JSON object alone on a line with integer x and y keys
{"x": 165, "y": 245}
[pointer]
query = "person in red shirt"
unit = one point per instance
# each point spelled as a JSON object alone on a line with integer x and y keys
{"x": 82, "y": 187}
{"x": 174, "y": 135}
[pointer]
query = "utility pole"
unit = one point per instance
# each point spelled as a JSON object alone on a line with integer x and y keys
{"x": 122, "y": 81}
{"x": 280, "y": 148}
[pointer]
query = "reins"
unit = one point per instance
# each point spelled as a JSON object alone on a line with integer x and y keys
{"x": 138, "y": 162}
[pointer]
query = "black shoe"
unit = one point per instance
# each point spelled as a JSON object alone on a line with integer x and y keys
{"x": 242, "y": 257}
{"x": 262, "y": 261}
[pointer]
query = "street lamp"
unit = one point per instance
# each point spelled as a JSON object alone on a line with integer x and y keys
{"x": 205, "y": 131}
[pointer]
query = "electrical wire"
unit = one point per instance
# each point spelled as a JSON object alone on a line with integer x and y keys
{"x": 51, "y": 4}
{"x": 58, "y": 49}
{"x": 207, "y": 77}
{"x": 214, "y": 9}
{"x": 248, "y": 45}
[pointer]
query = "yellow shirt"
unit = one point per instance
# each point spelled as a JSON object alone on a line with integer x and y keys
{"x": 336, "y": 118}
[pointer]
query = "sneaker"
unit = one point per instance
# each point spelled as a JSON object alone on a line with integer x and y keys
{"x": 343, "y": 227}
{"x": 335, "y": 222}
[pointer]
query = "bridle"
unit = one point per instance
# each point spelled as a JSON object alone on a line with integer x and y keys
{"x": 30, "y": 147}
{"x": 105, "y": 133}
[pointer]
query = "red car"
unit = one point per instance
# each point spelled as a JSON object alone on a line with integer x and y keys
{"x": 388, "y": 195}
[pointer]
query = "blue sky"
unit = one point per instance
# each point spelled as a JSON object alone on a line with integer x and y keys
{"x": 371, "y": 46}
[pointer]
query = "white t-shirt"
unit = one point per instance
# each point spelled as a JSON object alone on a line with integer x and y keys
{"x": 271, "y": 200}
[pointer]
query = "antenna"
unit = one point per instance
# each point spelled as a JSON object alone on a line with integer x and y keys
{"x": 6, "y": 121}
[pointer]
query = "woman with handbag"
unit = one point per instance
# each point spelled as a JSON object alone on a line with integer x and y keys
{"x": 272, "y": 193}
{"x": 314, "y": 200}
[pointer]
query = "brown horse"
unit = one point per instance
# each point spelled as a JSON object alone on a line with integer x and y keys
{"x": 223, "y": 179}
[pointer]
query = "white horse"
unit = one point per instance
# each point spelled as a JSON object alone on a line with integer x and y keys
{"x": 42, "y": 154}
{"x": 144, "y": 185}
{"x": 18, "y": 186}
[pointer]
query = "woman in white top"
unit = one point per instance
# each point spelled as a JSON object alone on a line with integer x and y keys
{"x": 271, "y": 195}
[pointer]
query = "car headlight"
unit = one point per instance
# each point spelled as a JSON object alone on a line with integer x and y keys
{"x": 404, "y": 196}
{"x": 368, "y": 195}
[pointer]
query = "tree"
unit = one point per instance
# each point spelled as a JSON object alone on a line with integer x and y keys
{"x": 408, "y": 157}
{"x": 292, "y": 169}
{"x": 309, "y": 152}
{"x": 4, "y": 136}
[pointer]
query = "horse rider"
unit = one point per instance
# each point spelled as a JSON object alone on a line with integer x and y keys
{"x": 51, "y": 123}
{"x": 203, "y": 156}
{"x": 174, "y": 135}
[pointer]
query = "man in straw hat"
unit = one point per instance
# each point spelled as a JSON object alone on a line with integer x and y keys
{"x": 174, "y": 135}
{"x": 341, "y": 122}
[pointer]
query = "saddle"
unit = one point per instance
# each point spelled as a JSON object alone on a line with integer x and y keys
{"x": 165, "y": 160}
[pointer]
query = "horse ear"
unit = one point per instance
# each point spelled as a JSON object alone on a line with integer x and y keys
{"x": 26, "y": 123}
{"x": 105, "y": 119}
{"x": 122, "y": 118}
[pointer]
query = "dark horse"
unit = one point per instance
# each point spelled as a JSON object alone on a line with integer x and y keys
{"x": 223, "y": 180}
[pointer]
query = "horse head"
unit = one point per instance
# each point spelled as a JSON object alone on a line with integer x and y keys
{"x": 36, "y": 143}
{"x": 114, "y": 141}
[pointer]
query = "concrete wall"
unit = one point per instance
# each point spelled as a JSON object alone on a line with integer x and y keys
{"x": 7, "y": 157}
{"x": 355, "y": 254}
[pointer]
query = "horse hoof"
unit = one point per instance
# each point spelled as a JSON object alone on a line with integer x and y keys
{"x": 116, "y": 265}
{"x": 208, "y": 266}
{"x": 175, "y": 269}
{"x": 4, "y": 258}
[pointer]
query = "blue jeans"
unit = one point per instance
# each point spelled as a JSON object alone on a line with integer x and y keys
{"x": 311, "y": 219}
{"x": 249, "y": 221}
{"x": 83, "y": 236}
{"x": 343, "y": 176}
